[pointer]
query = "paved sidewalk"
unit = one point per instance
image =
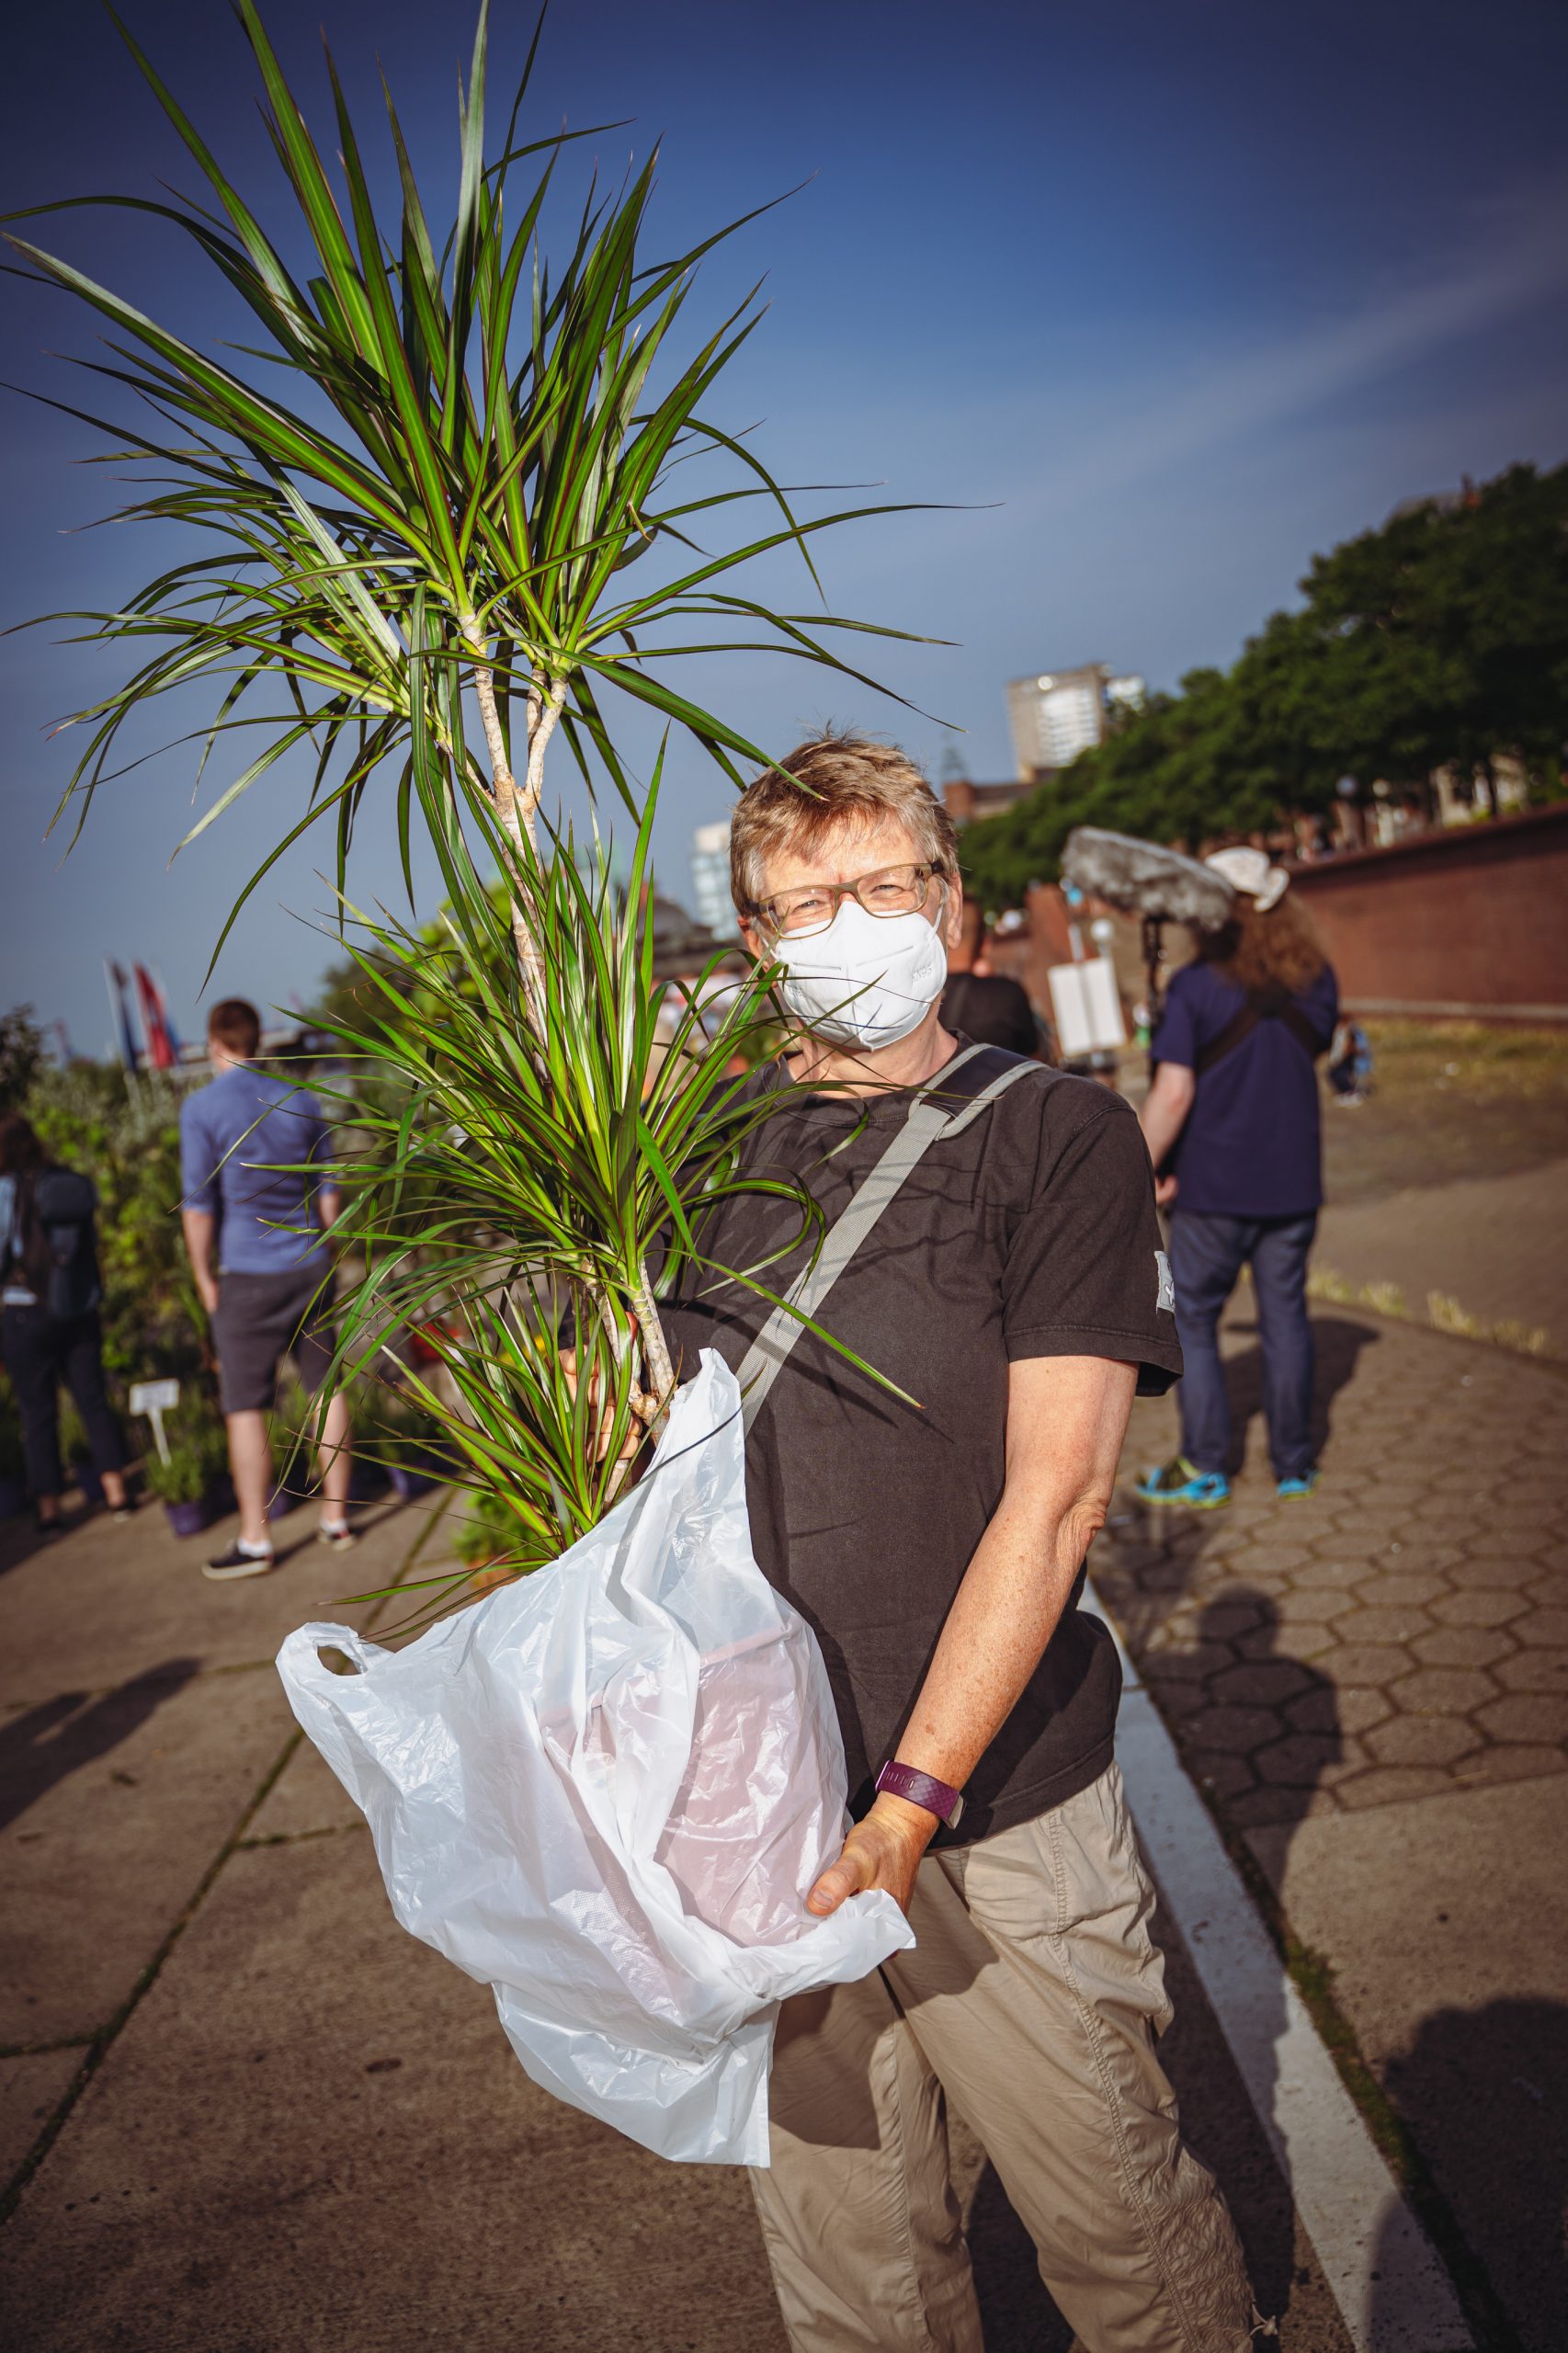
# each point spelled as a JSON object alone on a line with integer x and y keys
{"x": 1495, "y": 1244}
{"x": 1372, "y": 1688}
{"x": 286, "y": 2127}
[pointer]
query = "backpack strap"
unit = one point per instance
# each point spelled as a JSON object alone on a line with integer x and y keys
{"x": 1242, "y": 1024}
{"x": 962, "y": 1090}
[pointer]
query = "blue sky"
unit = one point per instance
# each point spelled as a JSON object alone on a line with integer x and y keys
{"x": 1166, "y": 299}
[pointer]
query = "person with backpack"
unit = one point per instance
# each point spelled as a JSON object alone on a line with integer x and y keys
{"x": 50, "y": 1293}
{"x": 1232, "y": 1127}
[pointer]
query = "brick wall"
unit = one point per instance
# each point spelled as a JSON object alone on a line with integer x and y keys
{"x": 1471, "y": 921}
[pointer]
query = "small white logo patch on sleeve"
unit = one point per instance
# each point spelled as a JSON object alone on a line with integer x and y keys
{"x": 1166, "y": 1298}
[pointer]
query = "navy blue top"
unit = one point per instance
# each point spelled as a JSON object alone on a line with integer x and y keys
{"x": 1252, "y": 1145}
{"x": 244, "y": 1142}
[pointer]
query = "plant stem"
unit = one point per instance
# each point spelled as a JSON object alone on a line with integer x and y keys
{"x": 517, "y": 811}
{"x": 655, "y": 1351}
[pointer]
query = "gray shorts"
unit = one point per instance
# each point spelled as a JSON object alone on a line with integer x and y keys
{"x": 260, "y": 1319}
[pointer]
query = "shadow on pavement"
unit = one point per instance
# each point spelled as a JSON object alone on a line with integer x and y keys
{"x": 1494, "y": 2083}
{"x": 48, "y": 1743}
{"x": 1337, "y": 1345}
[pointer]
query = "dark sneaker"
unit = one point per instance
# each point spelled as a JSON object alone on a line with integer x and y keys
{"x": 340, "y": 1539}
{"x": 236, "y": 1562}
{"x": 1179, "y": 1483}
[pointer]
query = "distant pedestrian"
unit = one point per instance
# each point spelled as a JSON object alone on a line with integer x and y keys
{"x": 1234, "y": 1130}
{"x": 51, "y": 1290}
{"x": 982, "y": 1005}
{"x": 256, "y": 1217}
{"x": 1350, "y": 1063}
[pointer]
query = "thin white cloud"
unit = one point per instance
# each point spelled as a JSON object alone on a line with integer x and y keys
{"x": 1526, "y": 259}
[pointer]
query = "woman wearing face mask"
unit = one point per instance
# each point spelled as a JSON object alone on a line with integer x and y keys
{"x": 935, "y": 1540}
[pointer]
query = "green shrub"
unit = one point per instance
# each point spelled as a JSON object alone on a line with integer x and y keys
{"x": 199, "y": 1453}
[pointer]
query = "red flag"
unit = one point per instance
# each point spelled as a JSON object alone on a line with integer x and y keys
{"x": 154, "y": 1023}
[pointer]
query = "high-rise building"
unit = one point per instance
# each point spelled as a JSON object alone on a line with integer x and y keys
{"x": 1060, "y": 714}
{"x": 711, "y": 879}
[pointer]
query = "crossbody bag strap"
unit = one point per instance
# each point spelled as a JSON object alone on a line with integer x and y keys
{"x": 931, "y": 1119}
{"x": 1241, "y": 1024}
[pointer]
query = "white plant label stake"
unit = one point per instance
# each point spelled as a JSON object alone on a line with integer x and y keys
{"x": 156, "y": 1398}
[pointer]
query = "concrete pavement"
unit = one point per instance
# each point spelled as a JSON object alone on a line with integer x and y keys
{"x": 1492, "y": 1244}
{"x": 1371, "y": 1687}
{"x": 244, "y": 2113}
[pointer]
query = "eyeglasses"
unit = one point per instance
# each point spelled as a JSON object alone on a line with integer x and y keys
{"x": 891, "y": 891}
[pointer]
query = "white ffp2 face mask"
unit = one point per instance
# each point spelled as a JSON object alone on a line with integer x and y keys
{"x": 866, "y": 980}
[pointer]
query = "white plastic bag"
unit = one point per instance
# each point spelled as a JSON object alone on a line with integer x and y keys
{"x": 606, "y": 1790}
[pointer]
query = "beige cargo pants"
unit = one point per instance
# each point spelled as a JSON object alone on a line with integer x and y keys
{"x": 1032, "y": 1999}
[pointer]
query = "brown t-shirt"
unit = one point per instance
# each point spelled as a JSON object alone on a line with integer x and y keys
{"x": 1030, "y": 1234}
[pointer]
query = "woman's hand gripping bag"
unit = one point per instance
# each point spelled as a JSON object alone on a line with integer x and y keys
{"x": 604, "y": 1792}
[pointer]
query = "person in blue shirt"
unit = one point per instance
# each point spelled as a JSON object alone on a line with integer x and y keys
{"x": 256, "y": 1220}
{"x": 1232, "y": 1123}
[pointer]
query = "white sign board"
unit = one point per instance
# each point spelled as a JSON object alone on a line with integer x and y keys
{"x": 156, "y": 1398}
{"x": 153, "y": 1396}
{"x": 1085, "y": 1005}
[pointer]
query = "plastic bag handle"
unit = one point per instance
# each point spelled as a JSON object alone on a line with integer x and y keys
{"x": 300, "y": 1655}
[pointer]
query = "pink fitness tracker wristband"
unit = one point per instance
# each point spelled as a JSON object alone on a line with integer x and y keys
{"x": 923, "y": 1789}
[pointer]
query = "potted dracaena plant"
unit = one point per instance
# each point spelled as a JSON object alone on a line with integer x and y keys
{"x": 438, "y": 534}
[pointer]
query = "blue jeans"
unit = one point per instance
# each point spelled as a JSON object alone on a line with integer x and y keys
{"x": 1207, "y": 1255}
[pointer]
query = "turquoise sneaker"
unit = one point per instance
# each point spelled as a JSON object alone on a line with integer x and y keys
{"x": 1179, "y": 1483}
{"x": 1291, "y": 1490}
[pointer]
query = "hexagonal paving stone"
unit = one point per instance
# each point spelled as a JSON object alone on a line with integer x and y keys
{"x": 1229, "y": 1615}
{"x": 1314, "y": 1605}
{"x": 1462, "y": 1646}
{"x": 1510, "y": 1544}
{"x": 1301, "y": 1759}
{"x": 1487, "y": 1568}
{"x": 1390, "y": 1785}
{"x": 1381, "y": 1625}
{"x": 1274, "y": 1560}
{"x": 1543, "y": 1625}
{"x": 1423, "y": 1740}
{"x": 1365, "y": 1663}
{"x": 1534, "y": 1671}
{"x": 1348, "y": 1708}
{"x": 1237, "y": 1729}
{"x": 1526, "y": 1715}
{"x": 1332, "y": 1577}
{"x": 1442, "y": 1690}
{"x": 1401, "y": 1590}
{"x": 1550, "y": 1591}
{"x": 1288, "y": 1641}
{"x": 1184, "y": 1664}
{"x": 1263, "y": 1683}
{"x": 1485, "y": 1607}
{"x": 1511, "y": 1761}
{"x": 1319, "y": 1710}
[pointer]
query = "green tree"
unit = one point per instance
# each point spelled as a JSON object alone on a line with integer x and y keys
{"x": 21, "y": 1054}
{"x": 1441, "y": 637}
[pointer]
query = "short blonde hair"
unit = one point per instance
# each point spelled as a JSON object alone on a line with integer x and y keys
{"x": 822, "y": 786}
